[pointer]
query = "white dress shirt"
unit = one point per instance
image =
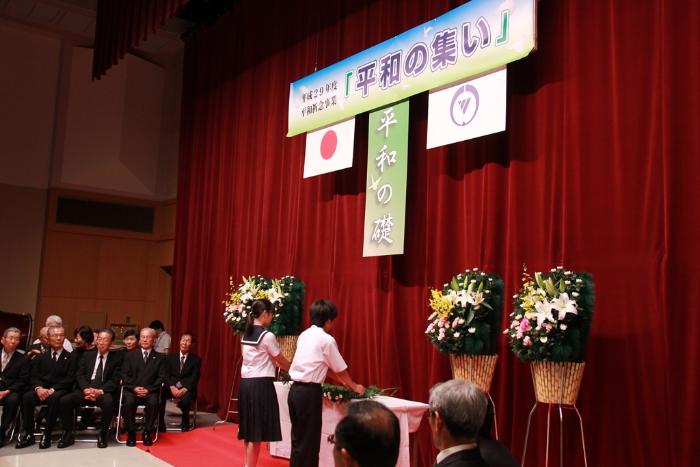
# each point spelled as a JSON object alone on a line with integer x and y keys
{"x": 5, "y": 358}
{"x": 316, "y": 352}
{"x": 97, "y": 363}
{"x": 449, "y": 451}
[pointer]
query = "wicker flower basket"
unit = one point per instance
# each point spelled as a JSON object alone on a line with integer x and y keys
{"x": 288, "y": 345}
{"x": 477, "y": 369}
{"x": 557, "y": 382}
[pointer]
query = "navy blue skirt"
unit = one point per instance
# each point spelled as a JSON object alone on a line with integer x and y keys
{"x": 258, "y": 412}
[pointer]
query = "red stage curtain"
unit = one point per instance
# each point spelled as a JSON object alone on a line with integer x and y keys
{"x": 598, "y": 170}
{"x": 122, "y": 24}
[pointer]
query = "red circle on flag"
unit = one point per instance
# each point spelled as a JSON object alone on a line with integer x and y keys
{"x": 329, "y": 143}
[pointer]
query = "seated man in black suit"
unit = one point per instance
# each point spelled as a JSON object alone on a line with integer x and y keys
{"x": 369, "y": 435}
{"x": 52, "y": 376}
{"x": 182, "y": 376}
{"x": 457, "y": 411}
{"x": 142, "y": 376}
{"x": 98, "y": 382}
{"x": 14, "y": 374}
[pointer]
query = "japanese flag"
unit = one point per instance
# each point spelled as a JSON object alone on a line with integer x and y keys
{"x": 329, "y": 149}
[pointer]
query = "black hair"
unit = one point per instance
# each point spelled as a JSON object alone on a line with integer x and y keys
{"x": 130, "y": 332}
{"x": 85, "y": 333}
{"x": 257, "y": 309}
{"x": 323, "y": 310}
{"x": 370, "y": 434}
{"x": 187, "y": 333}
{"x": 157, "y": 324}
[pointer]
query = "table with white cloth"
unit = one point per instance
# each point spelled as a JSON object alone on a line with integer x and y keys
{"x": 409, "y": 413}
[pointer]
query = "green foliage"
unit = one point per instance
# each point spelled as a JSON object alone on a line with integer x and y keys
{"x": 287, "y": 321}
{"x": 341, "y": 394}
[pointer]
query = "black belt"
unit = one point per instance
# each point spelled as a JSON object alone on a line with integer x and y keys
{"x": 301, "y": 383}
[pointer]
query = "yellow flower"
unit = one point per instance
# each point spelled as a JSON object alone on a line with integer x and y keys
{"x": 440, "y": 304}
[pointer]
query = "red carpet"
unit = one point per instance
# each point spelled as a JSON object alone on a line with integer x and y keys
{"x": 206, "y": 447}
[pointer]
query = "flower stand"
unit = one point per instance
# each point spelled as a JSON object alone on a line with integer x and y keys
{"x": 478, "y": 370}
{"x": 288, "y": 345}
{"x": 556, "y": 383}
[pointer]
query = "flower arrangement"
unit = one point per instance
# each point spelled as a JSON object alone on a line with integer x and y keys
{"x": 286, "y": 294}
{"x": 341, "y": 394}
{"x": 552, "y": 316}
{"x": 289, "y": 306}
{"x": 466, "y": 314}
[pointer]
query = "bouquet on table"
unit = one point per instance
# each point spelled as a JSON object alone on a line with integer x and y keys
{"x": 341, "y": 394}
{"x": 552, "y": 316}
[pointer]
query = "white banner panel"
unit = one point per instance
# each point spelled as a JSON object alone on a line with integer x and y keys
{"x": 467, "y": 110}
{"x": 329, "y": 149}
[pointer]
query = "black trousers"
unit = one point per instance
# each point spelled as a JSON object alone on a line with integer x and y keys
{"x": 31, "y": 400}
{"x": 75, "y": 399}
{"x": 10, "y": 405}
{"x": 305, "y": 412}
{"x": 129, "y": 404}
{"x": 184, "y": 404}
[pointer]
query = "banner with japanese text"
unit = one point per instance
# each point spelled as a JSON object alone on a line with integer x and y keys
{"x": 476, "y": 37}
{"x": 387, "y": 168}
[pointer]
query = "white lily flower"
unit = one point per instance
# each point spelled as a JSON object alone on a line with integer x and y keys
{"x": 456, "y": 334}
{"x": 472, "y": 330}
{"x": 544, "y": 312}
{"x": 475, "y": 298}
{"x": 461, "y": 298}
{"x": 563, "y": 327}
{"x": 564, "y": 305}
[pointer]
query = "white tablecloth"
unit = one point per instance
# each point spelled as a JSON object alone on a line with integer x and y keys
{"x": 409, "y": 414}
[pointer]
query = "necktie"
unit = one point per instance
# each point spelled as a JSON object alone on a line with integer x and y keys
{"x": 99, "y": 371}
{"x": 145, "y": 357}
{"x": 55, "y": 356}
{"x": 6, "y": 358}
{"x": 182, "y": 363}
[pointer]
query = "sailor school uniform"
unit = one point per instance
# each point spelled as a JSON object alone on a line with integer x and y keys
{"x": 258, "y": 411}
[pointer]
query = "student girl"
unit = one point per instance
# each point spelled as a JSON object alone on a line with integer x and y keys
{"x": 258, "y": 411}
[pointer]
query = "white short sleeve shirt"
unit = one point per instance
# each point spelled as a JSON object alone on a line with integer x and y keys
{"x": 257, "y": 359}
{"x": 316, "y": 352}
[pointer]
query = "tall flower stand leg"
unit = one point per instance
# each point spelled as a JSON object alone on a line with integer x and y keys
{"x": 556, "y": 384}
{"x": 479, "y": 370}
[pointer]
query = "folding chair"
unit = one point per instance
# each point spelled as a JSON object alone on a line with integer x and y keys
{"x": 175, "y": 426}
{"x": 94, "y": 429}
{"x": 139, "y": 406}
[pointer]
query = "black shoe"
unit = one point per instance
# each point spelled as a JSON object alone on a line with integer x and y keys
{"x": 102, "y": 440}
{"x": 147, "y": 441}
{"x": 45, "y": 442}
{"x": 185, "y": 427}
{"x": 27, "y": 441}
{"x": 67, "y": 439}
{"x": 131, "y": 439}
